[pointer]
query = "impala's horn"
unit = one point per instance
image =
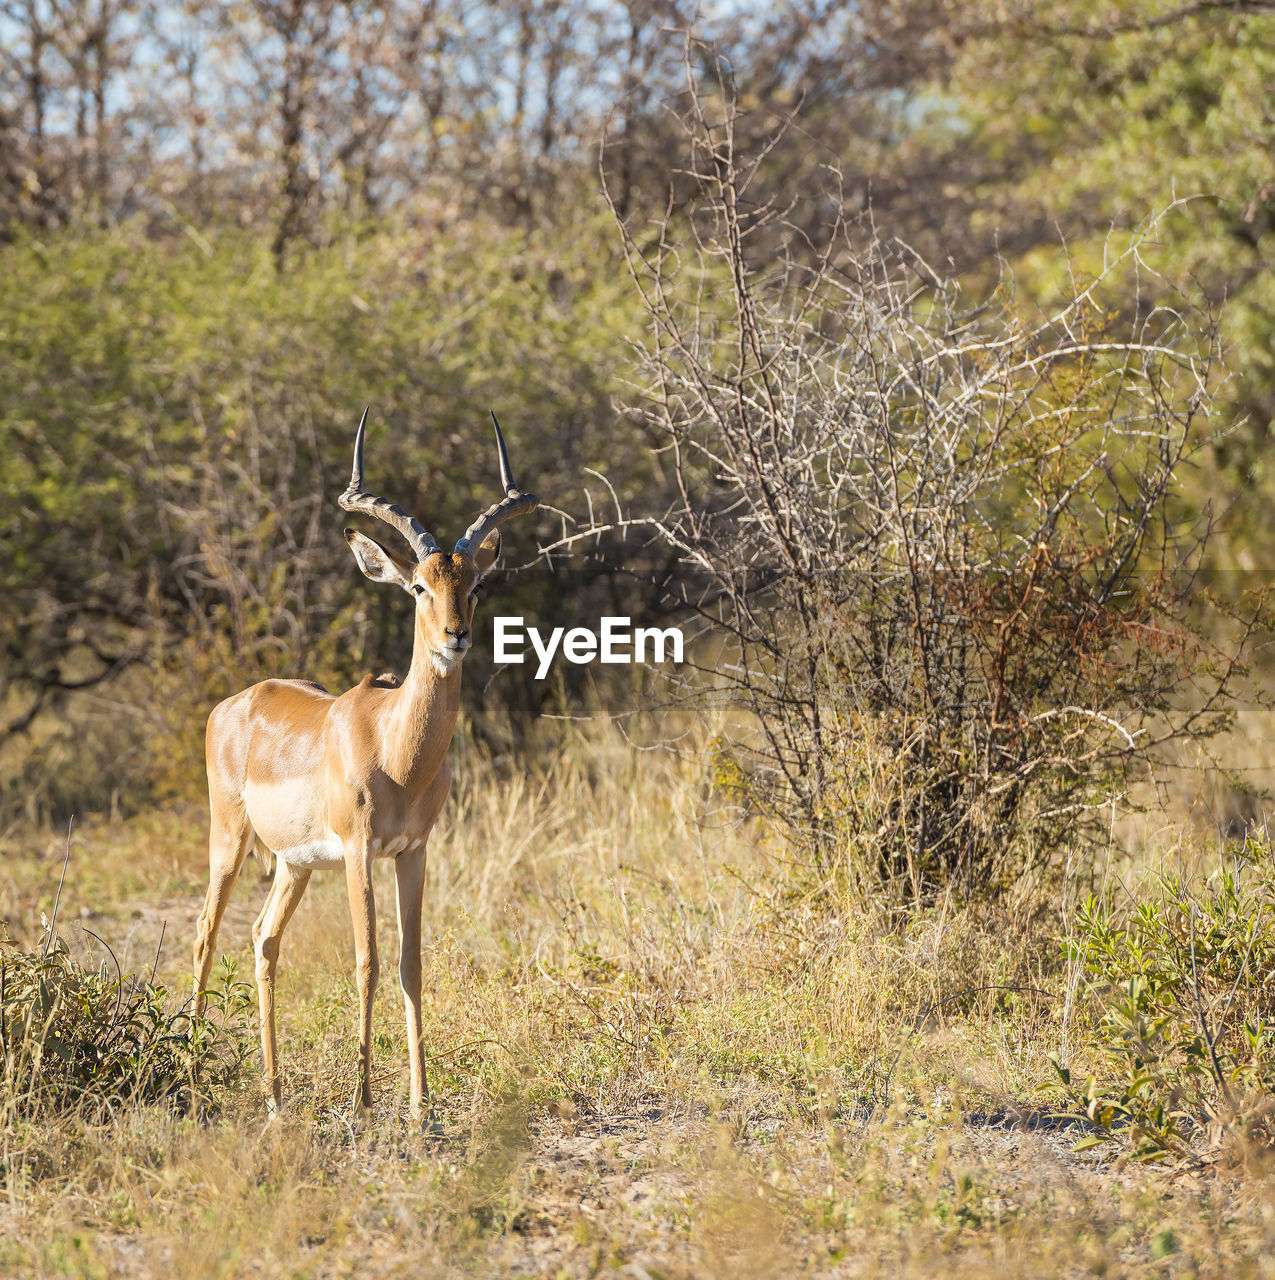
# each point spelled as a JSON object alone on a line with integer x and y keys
{"x": 514, "y": 503}
{"x": 356, "y": 498}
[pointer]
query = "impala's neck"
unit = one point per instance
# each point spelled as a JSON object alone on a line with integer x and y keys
{"x": 426, "y": 707}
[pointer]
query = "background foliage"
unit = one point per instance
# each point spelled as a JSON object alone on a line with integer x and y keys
{"x": 181, "y": 417}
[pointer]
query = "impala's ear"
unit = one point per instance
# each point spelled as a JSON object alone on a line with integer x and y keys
{"x": 488, "y": 553}
{"x": 380, "y": 563}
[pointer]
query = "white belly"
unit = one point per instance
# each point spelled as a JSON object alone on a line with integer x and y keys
{"x": 315, "y": 855}
{"x": 329, "y": 852}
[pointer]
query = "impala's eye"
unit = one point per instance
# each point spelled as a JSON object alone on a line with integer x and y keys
{"x": 417, "y": 589}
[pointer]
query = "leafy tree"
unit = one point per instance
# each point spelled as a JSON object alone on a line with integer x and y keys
{"x": 1074, "y": 117}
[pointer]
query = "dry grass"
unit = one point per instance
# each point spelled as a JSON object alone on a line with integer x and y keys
{"x": 645, "y": 1064}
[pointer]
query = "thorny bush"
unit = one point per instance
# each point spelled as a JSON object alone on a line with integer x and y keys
{"x": 939, "y": 554}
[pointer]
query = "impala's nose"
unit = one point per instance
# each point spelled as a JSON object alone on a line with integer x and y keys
{"x": 459, "y": 636}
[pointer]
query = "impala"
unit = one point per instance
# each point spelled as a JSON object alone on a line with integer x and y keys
{"x": 334, "y": 783}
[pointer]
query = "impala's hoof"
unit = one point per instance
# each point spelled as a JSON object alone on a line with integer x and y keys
{"x": 430, "y": 1126}
{"x": 274, "y": 1116}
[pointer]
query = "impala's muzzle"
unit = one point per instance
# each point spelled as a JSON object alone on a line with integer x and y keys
{"x": 458, "y": 641}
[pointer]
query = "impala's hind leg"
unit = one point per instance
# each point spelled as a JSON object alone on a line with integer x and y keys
{"x": 285, "y": 893}
{"x": 228, "y": 843}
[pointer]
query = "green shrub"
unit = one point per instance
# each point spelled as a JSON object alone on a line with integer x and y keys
{"x": 87, "y": 1041}
{"x": 1179, "y": 1008}
{"x": 177, "y": 421}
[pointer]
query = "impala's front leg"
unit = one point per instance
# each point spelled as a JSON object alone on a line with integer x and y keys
{"x": 409, "y": 872}
{"x": 358, "y": 880}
